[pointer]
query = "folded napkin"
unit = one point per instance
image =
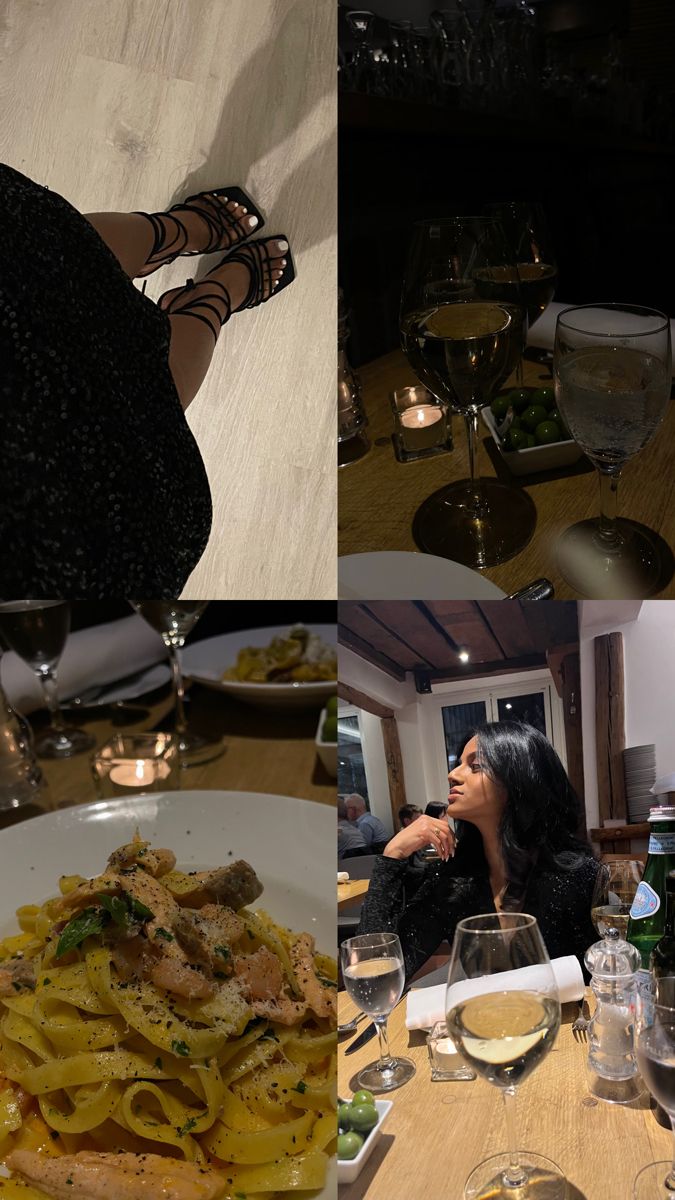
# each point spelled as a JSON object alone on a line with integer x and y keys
{"x": 427, "y": 1004}
{"x": 542, "y": 333}
{"x": 97, "y": 655}
{"x": 343, "y": 876}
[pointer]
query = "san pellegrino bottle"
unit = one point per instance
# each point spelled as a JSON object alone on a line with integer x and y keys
{"x": 647, "y": 918}
{"x": 663, "y": 954}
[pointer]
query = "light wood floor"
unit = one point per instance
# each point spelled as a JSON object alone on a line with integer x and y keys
{"x": 135, "y": 104}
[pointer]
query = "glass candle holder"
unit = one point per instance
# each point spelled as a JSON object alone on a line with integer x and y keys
{"x": 421, "y": 424}
{"x": 446, "y": 1063}
{"x": 144, "y": 762}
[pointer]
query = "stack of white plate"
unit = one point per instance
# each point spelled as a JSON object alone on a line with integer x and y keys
{"x": 639, "y": 764}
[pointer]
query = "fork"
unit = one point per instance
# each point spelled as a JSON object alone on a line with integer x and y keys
{"x": 580, "y": 1025}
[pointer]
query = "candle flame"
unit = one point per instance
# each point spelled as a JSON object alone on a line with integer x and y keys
{"x": 140, "y": 768}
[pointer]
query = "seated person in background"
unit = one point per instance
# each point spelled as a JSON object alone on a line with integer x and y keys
{"x": 408, "y": 813}
{"x": 516, "y": 849}
{"x": 370, "y": 826}
{"x": 349, "y": 836}
{"x": 436, "y": 808}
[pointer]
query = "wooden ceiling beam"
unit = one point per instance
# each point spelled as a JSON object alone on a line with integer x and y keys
{"x": 365, "y": 650}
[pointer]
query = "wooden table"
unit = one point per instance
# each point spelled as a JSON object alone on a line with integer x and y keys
{"x": 378, "y": 496}
{"x": 437, "y": 1132}
{"x": 350, "y": 890}
{"x": 266, "y": 751}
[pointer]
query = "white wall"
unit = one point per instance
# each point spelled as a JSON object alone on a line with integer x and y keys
{"x": 649, "y": 666}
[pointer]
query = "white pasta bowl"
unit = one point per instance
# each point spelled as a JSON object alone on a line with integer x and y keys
{"x": 207, "y": 661}
{"x": 349, "y": 1169}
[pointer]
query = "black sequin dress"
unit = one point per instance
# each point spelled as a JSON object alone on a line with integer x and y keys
{"x": 560, "y": 900}
{"x": 103, "y": 491}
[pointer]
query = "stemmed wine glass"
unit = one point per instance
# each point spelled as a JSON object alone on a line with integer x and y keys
{"x": 527, "y": 233}
{"x": 374, "y": 973}
{"x": 503, "y": 1025}
{"x": 612, "y": 375}
{"x": 656, "y": 1060}
{"x": 613, "y": 891}
{"x": 37, "y": 631}
{"x": 175, "y": 619}
{"x": 461, "y": 330}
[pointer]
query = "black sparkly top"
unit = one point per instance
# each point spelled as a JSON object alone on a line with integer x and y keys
{"x": 560, "y": 900}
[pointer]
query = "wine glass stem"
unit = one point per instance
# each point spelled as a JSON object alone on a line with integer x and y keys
{"x": 471, "y": 418}
{"x": 515, "y": 1174}
{"x": 181, "y": 723}
{"x": 385, "y": 1057}
{"x": 608, "y": 533}
{"x": 47, "y": 678}
{"x": 670, "y": 1180}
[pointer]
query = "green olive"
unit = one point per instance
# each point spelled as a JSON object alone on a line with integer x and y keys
{"x": 520, "y": 398}
{"x": 516, "y": 439}
{"x": 533, "y": 416}
{"x": 363, "y": 1117}
{"x": 546, "y": 433}
{"x": 363, "y": 1097}
{"x": 348, "y": 1145}
{"x": 544, "y": 396}
{"x": 499, "y": 407}
{"x": 344, "y": 1117}
{"x": 331, "y": 706}
{"x": 329, "y": 731}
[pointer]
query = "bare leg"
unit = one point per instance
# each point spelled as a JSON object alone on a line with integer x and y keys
{"x": 128, "y": 235}
{"x": 192, "y": 342}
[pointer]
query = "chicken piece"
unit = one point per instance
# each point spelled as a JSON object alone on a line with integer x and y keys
{"x": 134, "y": 959}
{"x": 107, "y": 884}
{"x": 93, "y": 1176}
{"x": 320, "y": 999}
{"x": 182, "y": 979}
{"x": 207, "y": 935}
{"x": 233, "y": 886}
{"x": 15, "y": 975}
{"x": 155, "y": 862}
{"x": 260, "y": 974}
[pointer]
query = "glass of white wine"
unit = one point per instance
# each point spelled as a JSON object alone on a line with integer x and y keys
{"x": 174, "y": 620}
{"x": 613, "y": 892}
{"x": 612, "y": 373}
{"x": 373, "y": 971}
{"x": 656, "y": 1060}
{"x": 462, "y": 318}
{"x": 37, "y": 630}
{"x": 503, "y": 1021}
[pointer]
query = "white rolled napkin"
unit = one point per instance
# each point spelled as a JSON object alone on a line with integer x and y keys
{"x": 428, "y": 1005}
{"x": 343, "y": 876}
{"x": 542, "y": 333}
{"x": 99, "y": 655}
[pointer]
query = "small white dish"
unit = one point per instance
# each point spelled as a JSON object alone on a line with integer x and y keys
{"x": 327, "y": 751}
{"x": 207, "y": 661}
{"x": 535, "y": 458}
{"x": 349, "y": 1169}
{"x": 407, "y": 575}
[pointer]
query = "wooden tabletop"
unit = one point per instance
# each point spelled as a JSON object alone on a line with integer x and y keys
{"x": 378, "y": 496}
{"x": 437, "y": 1133}
{"x": 265, "y": 750}
{"x": 351, "y": 889}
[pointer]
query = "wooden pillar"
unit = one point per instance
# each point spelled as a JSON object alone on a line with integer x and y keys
{"x": 564, "y": 667}
{"x": 609, "y": 725}
{"x": 392, "y": 754}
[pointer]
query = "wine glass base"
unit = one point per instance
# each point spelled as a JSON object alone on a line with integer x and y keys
{"x": 374, "y": 1080}
{"x": 488, "y": 1181}
{"x": 651, "y": 1182}
{"x": 194, "y": 751}
{"x": 632, "y": 572}
{"x": 446, "y": 524}
{"x": 53, "y": 743}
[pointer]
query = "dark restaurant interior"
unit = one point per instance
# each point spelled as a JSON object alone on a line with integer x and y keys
{"x": 568, "y": 102}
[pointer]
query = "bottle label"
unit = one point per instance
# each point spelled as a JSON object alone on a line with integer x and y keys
{"x": 645, "y": 902}
{"x": 661, "y": 843}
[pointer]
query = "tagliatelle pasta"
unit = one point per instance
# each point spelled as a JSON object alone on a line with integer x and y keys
{"x": 155, "y": 1042}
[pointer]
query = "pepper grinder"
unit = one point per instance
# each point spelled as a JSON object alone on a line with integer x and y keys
{"x": 613, "y": 1074}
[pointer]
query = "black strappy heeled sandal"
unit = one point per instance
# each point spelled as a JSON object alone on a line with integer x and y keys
{"x": 219, "y": 221}
{"x": 256, "y": 256}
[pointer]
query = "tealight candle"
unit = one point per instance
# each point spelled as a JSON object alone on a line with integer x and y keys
{"x": 140, "y": 773}
{"x": 446, "y": 1063}
{"x": 422, "y": 425}
{"x": 145, "y": 762}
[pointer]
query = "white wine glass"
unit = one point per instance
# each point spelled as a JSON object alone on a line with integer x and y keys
{"x": 37, "y": 631}
{"x": 503, "y": 1021}
{"x": 461, "y": 327}
{"x": 374, "y": 974}
{"x": 174, "y": 620}
{"x": 656, "y": 1060}
{"x": 613, "y": 891}
{"x": 612, "y": 373}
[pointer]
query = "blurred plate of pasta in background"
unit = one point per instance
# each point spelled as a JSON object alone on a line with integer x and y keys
{"x": 239, "y": 1064}
{"x": 275, "y": 667}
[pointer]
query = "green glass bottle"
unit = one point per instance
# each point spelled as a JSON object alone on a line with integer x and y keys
{"x": 663, "y": 973}
{"x": 647, "y": 919}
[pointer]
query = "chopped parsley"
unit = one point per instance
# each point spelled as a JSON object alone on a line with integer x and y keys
{"x": 87, "y": 923}
{"x": 300, "y": 1087}
{"x": 181, "y": 1048}
{"x": 140, "y": 910}
{"x": 326, "y": 982}
{"x": 223, "y": 951}
{"x": 164, "y": 933}
{"x": 187, "y": 1127}
{"x": 46, "y": 982}
{"x": 252, "y": 1024}
{"x": 118, "y": 910}
{"x": 159, "y": 1064}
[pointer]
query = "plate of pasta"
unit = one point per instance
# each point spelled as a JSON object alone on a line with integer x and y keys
{"x": 276, "y": 667}
{"x": 167, "y": 1000}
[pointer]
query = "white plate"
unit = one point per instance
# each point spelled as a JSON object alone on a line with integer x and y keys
{"x": 201, "y": 828}
{"x": 403, "y": 575}
{"x": 207, "y": 661}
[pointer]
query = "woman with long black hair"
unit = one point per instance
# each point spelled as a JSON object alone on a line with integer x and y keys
{"x": 516, "y": 848}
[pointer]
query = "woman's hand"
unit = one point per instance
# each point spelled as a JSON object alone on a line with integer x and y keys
{"x": 422, "y": 832}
